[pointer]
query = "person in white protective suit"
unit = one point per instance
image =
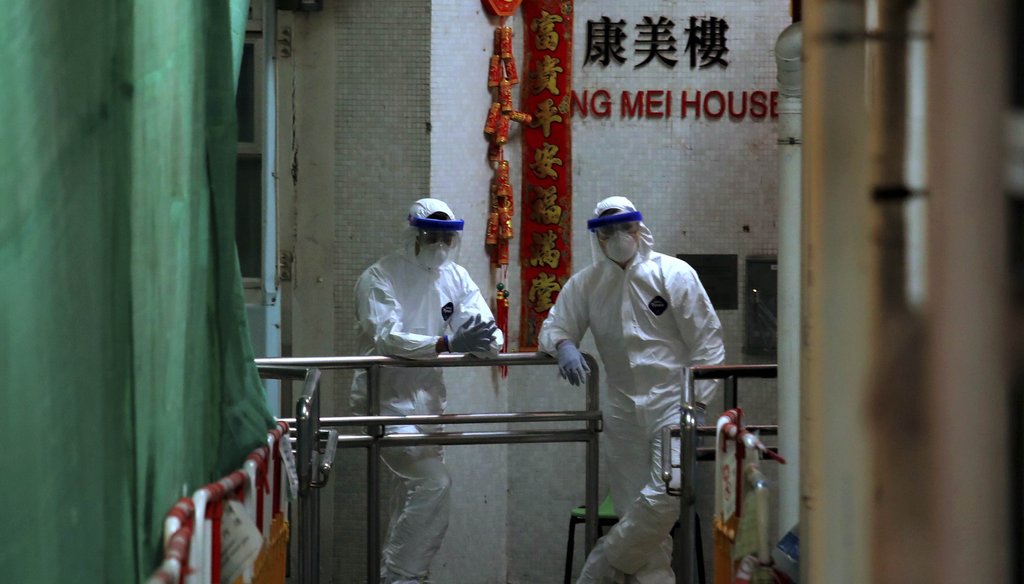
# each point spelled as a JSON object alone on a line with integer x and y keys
{"x": 416, "y": 303}
{"x": 651, "y": 318}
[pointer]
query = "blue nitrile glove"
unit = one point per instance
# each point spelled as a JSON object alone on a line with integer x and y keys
{"x": 571, "y": 365}
{"x": 474, "y": 336}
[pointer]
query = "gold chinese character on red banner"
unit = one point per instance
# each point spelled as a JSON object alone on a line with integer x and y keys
{"x": 544, "y": 159}
{"x": 543, "y": 248}
{"x": 546, "y": 209}
{"x": 541, "y": 289}
{"x": 546, "y": 75}
{"x": 545, "y": 116}
{"x": 547, "y": 37}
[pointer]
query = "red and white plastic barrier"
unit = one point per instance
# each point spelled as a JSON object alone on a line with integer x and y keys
{"x": 737, "y": 451}
{"x": 192, "y": 528}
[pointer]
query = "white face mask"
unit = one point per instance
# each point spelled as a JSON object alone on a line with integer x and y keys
{"x": 621, "y": 247}
{"x": 433, "y": 255}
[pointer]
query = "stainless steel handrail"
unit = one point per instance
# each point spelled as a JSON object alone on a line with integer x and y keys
{"x": 307, "y": 423}
{"x": 443, "y": 419}
{"x": 309, "y": 436}
{"x": 687, "y": 430}
{"x": 325, "y": 461}
{"x": 731, "y": 374}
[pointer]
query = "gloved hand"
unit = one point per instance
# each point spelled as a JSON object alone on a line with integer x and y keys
{"x": 474, "y": 336}
{"x": 571, "y": 365}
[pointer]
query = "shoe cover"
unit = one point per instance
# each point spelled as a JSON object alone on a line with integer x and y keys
{"x": 597, "y": 569}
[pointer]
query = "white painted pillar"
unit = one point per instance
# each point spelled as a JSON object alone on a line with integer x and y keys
{"x": 788, "y": 60}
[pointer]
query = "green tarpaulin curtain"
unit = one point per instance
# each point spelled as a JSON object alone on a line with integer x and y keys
{"x": 125, "y": 362}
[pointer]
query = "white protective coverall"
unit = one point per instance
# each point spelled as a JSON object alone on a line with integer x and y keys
{"x": 650, "y": 321}
{"x": 402, "y": 308}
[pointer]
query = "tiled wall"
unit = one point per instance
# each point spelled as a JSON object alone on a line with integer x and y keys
{"x": 410, "y": 120}
{"x": 382, "y": 164}
{"x": 462, "y": 37}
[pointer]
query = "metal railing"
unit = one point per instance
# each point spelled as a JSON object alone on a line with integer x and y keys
{"x": 314, "y": 464}
{"x": 310, "y": 462}
{"x": 687, "y": 432}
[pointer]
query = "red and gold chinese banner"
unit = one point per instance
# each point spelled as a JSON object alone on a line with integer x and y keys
{"x": 546, "y": 219}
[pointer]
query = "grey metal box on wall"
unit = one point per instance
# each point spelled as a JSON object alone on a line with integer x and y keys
{"x": 761, "y": 301}
{"x": 717, "y": 273}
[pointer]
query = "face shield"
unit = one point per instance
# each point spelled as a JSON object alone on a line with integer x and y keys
{"x": 436, "y": 241}
{"x": 616, "y": 236}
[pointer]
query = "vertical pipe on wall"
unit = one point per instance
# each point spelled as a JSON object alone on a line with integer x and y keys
{"x": 788, "y": 49}
{"x": 271, "y": 300}
{"x": 966, "y": 308}
{"x": 373, "y": 477}
{"x": 837, "y": 270}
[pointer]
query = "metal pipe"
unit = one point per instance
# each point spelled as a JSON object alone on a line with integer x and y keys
{"x": 373, "y": 477}
{"x": 707, "y": 454}
{"x": 363, "y": 440}
{"x": 281, "y": 372}
{"x": 362, "y": 362}
{"x": 288, "y": 367}
{"x": 307, "y": 418}
{"x": 765, "y": 429}
{"x": 354, "y": 440}
{"x": 685, "y": 542}
{"x": 498, "y": 437}
{"x": 444, "y": 419}
{"x": 326, "y": 461}
{"x": 731, "y": 392}
{"x": 593, "y": 459}
{"x": 788, "y": 49}
{"x": 684, "y": 547}
{"x": 666, "y": 453}
{"x": 307, "y": 422}
{"x": 725, "y": 371}
{"x": 270, "y": 299}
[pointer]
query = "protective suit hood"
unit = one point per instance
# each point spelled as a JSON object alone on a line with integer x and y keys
{"x": 621, "y": 205}
{"x": 434, "y": 255}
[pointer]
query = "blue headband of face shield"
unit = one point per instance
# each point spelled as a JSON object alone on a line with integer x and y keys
{"x": 433, "y": 231}
{"x": 427, "y": 224}
{"x": 607, "y": 225}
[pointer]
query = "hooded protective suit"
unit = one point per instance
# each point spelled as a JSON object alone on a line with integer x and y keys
{"x": 405, "y": 303}
{"x": 649, "y": 320}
